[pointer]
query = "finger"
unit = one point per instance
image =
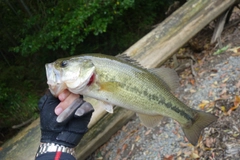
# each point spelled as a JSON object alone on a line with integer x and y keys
{"x": 63, "y": 95}
{"x": 69, "y": 112}
{"x": 66, "y": 103}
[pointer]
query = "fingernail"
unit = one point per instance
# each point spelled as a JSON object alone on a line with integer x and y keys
{"x": 79, "y": 112}
{"x": 58, "y": 110}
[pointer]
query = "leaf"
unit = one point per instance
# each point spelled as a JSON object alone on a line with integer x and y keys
{"x": 124, "y": 147}
{"x": 225, "y": 80}
{"x": 235, "y": 106}
{"x": 168, "y": 157}
{"x": 223, "y": 108}
{"x": 221, "y": 50}
{"x": 238, "y": 84}
{"x": 236, "y": 50}
{"x": 236, "y": 101}
{"x": 224, "y": 91}
{"x": 192, "y": 81}
{"x": 209, "y": 142}
{"x": 203, "y": 104}
{"x": 194, "y": 156}
{"x": 138, "y": 138}
{"x": 149, "y": 131}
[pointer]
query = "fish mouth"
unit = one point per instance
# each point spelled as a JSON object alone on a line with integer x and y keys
{"x": 75, "y": 84}
{"x": 56, "y": 86}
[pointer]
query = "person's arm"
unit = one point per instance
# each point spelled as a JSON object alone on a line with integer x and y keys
{"x": 59, "y": 139}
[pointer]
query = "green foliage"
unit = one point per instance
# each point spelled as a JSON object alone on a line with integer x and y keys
{"x": 18, "y": 98}
{"x": 16, "y": 106}
{"x": 66, "y": 24}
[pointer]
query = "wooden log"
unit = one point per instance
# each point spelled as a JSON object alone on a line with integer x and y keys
{"x": 150, "y": 51}
{"x": 175, "y": 31}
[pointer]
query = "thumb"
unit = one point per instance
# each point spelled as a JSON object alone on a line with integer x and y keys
{"x": 84, "y": 109}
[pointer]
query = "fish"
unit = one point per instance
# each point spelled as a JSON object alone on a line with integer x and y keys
{"x": 121, "y": 81}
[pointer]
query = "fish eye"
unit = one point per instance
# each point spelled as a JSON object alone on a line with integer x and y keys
{"x": 63, "y": 64}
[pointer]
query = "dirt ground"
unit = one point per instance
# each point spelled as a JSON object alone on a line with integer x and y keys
{"x": 210, "y": 81}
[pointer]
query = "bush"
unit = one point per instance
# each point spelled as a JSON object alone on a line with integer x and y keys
{"x": 69, "y": 25}
{"x": 15, "y": 106}
{"x": 66, "y": 24}
{"x": 18, "y": 98}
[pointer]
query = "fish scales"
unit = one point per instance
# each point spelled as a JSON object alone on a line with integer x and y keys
{"x": 137, "y": 90}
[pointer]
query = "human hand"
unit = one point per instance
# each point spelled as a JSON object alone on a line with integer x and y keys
{"x": 68, "y": 133}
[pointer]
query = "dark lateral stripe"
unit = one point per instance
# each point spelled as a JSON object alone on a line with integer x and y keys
{"x": 176, "y": 109}
{"x": 160, "y": 100}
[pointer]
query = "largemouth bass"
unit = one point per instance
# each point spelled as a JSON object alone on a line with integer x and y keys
{"x": 118, "y": 81}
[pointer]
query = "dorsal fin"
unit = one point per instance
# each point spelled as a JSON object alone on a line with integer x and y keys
{"x": 128, "y": 59}
{"x": 167, "y": 75}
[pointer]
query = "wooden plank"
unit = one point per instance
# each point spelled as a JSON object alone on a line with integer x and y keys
{"x": 24, "y": 145}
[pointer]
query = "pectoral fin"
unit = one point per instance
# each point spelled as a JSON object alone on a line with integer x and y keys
{"x": 107, "y": 106}
{"x": 150, "y": 121}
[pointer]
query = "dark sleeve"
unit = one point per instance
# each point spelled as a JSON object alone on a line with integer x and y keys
{"x": 55, "y": 156}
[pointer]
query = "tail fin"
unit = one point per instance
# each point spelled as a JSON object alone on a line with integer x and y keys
{"x": 201, "y": 121}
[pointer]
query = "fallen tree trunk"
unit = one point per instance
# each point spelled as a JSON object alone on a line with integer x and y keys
{"x": 161, "y": 43}
{"x": 150, "y": 51}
